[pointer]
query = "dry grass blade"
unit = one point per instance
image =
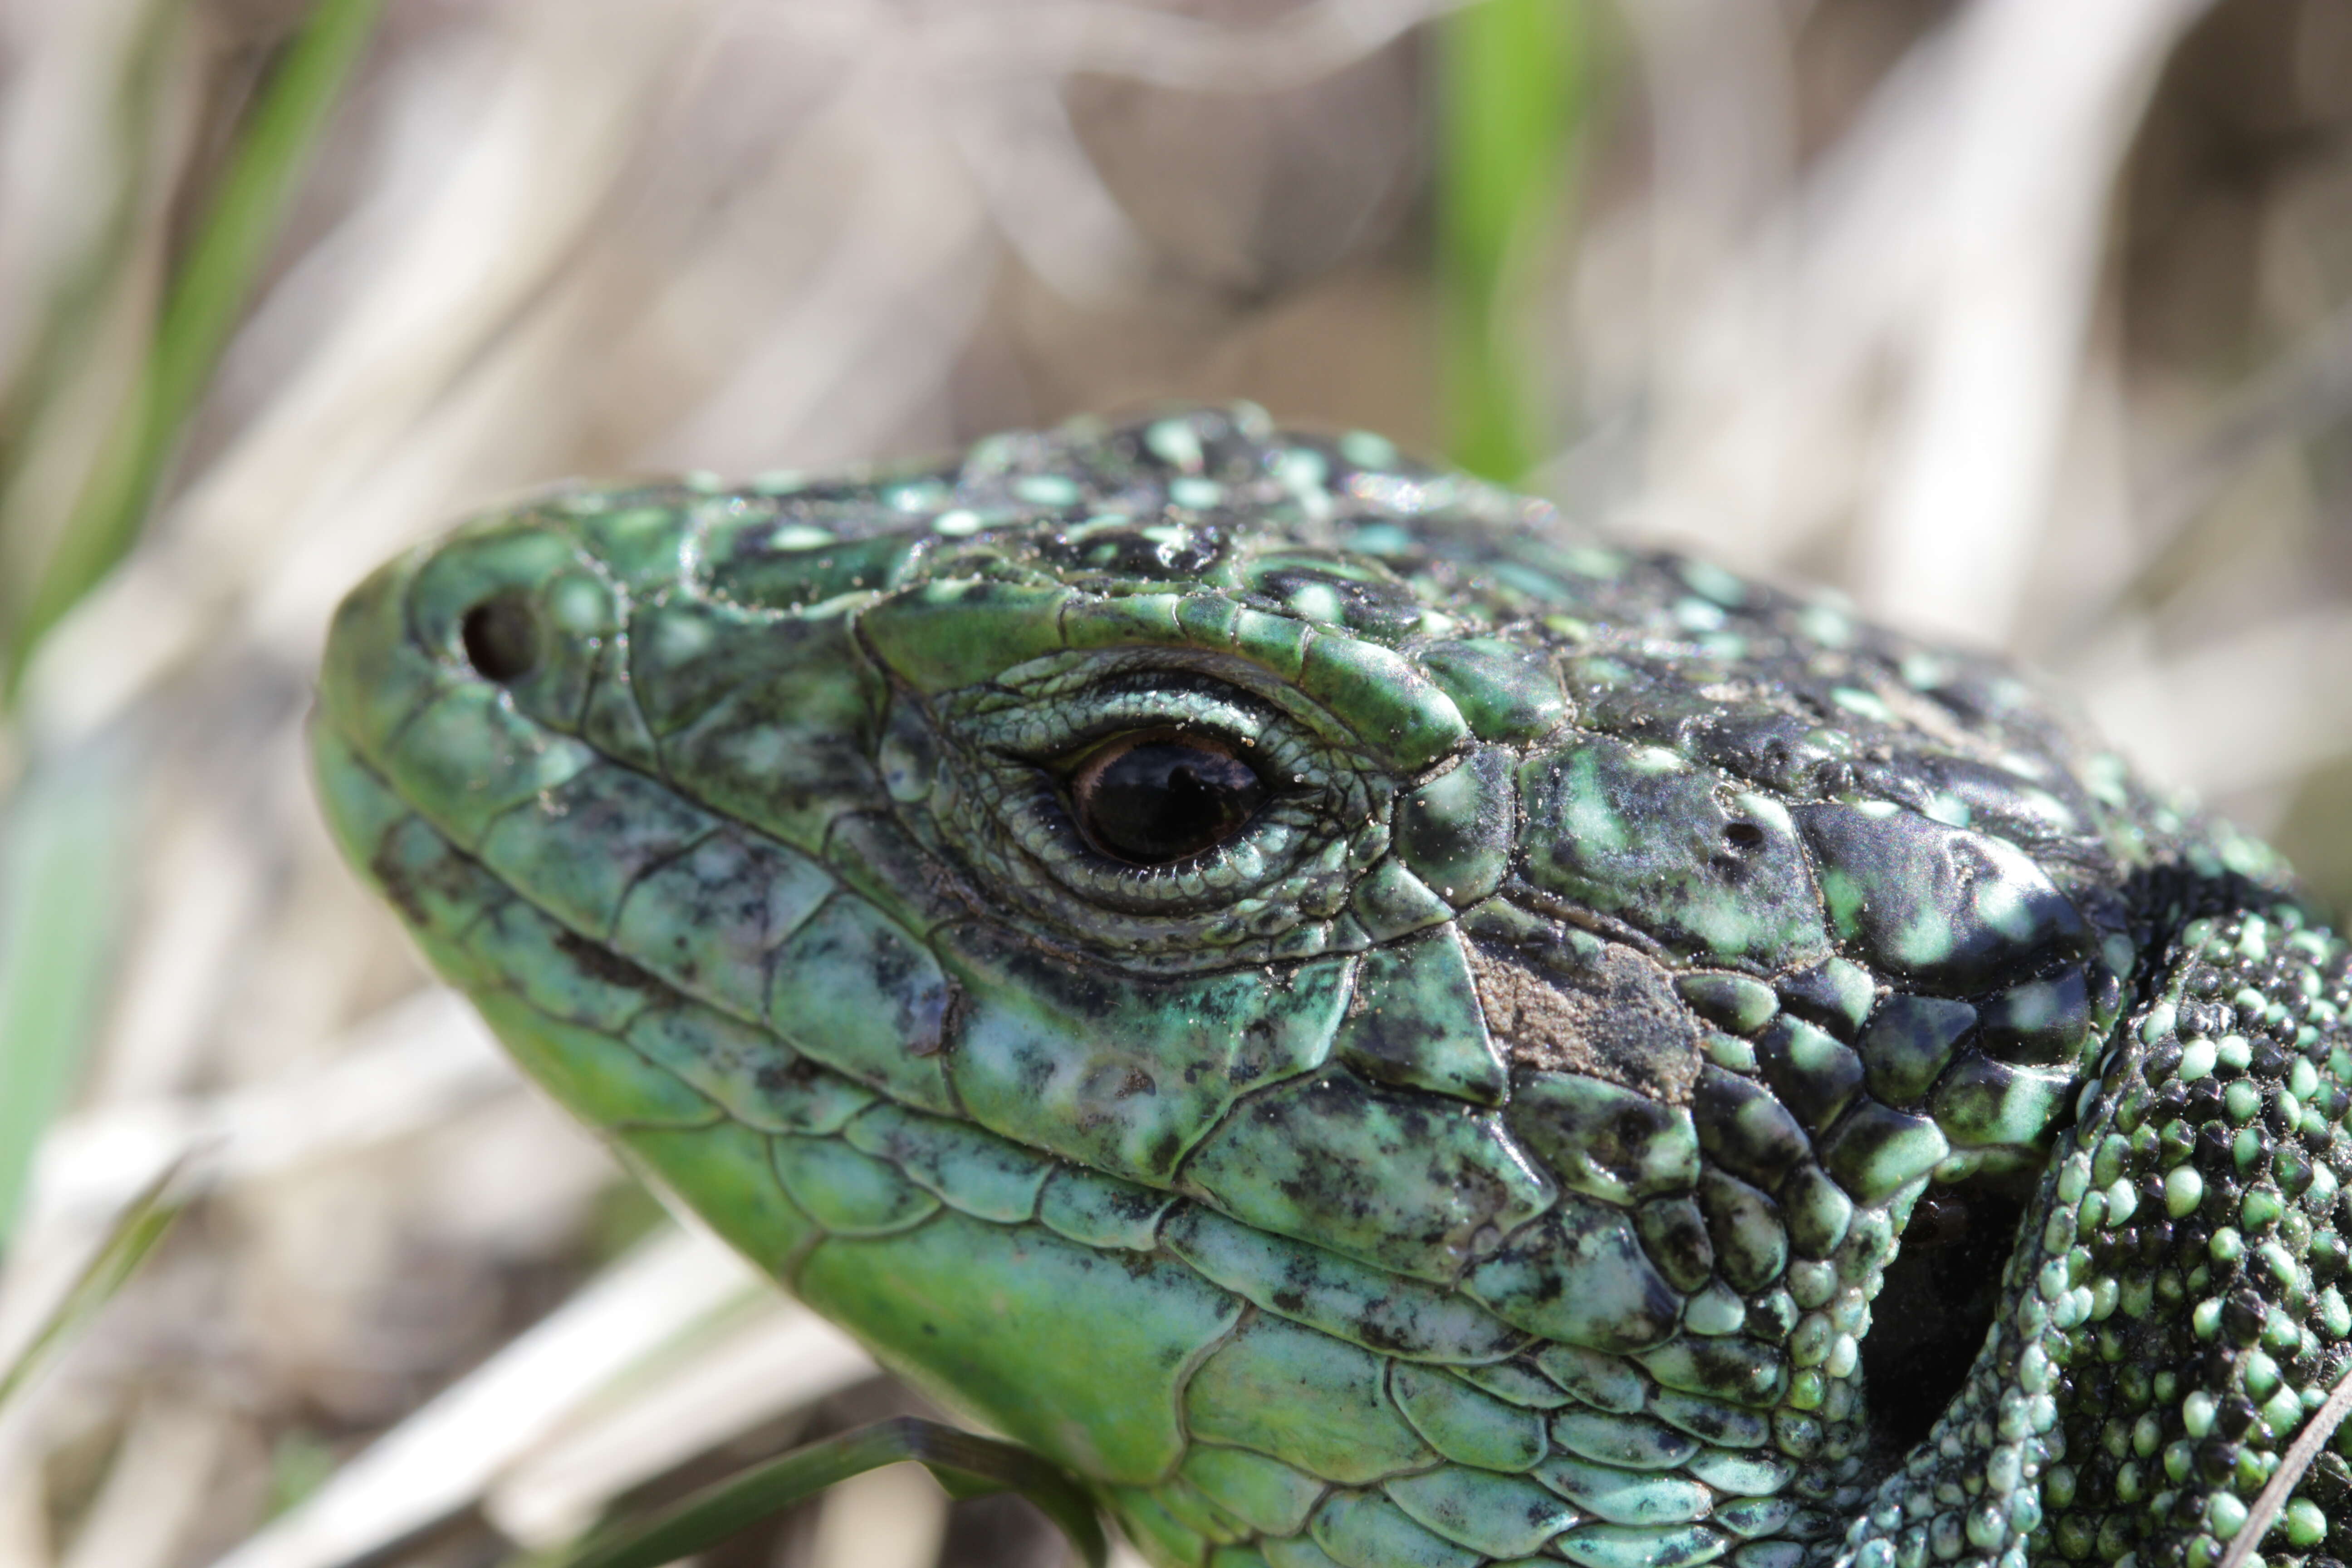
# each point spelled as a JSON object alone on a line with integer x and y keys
{"x": 967, "y": 1465}
{"x": 156, "y": 1485}
{"x": 143, "y": 1224}
{"x": 442, "y": 1459}
{"x": 2019, "y": 229}
{"x": 1169, "y": 48}
{"x": 896, "y": 1517}
{"x": 783, "y": 1359}
{"x": 425, "y": 1058}
{"x": 2293, "y": 1467}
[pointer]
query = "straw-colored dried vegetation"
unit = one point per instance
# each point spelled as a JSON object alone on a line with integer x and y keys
{"x": 2024, "y": 320}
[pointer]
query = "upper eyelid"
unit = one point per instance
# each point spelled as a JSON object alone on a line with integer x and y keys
{"x": 1245, "y": 725}
{"x": 1007, "y": 741}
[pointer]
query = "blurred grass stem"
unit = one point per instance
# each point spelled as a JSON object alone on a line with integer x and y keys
{"x": 75, "y": 305}
{"x": 60, "y": 880}
{"x": 965, "y": 1464}
{"x": 206, "y": 300}
{"x": 143, "y": 1222}
{"x": 1511, "y": 87}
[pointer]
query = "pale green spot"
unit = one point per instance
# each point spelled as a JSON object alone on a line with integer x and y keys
{"x": 2184, "y": 1189}
{"x": 1047, "y": 490}
{"x": 1698, "y": 616}
{"x": 1301, "y": 469}
{"x": 1828, "y": 627}
{"x": 1175, "y": 443}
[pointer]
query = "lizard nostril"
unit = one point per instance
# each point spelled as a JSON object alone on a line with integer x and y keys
{"x": 1743, "y": 836}
{"x": 501, "y": 638}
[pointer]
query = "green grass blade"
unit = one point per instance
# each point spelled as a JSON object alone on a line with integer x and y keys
{"x": 61, "y": 864}
{"x": 966, "y": 1465}
{"x": 70, "y": 318}
{"x": 207, "y": 298}
{"x": 142, "y": 1223}
{"x": 1511, "y": 99}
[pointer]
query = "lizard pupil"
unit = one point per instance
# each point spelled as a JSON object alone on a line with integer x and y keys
{"x": 500, "y": 636}
{"x": 1157, "y": 799}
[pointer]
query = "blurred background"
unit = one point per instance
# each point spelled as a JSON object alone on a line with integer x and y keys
{"x": 2028, "y": 322}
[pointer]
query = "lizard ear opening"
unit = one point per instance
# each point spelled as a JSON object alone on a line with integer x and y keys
{"x": 1935, "y": 1306}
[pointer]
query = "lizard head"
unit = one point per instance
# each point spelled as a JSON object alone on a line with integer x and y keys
{"x": 1323, "y": 1001}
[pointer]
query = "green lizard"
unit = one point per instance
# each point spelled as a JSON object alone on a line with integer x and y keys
{"x": 1376, "y": 1028}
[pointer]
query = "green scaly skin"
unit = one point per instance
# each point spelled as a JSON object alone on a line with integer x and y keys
{"x": 1583, "y": 1113}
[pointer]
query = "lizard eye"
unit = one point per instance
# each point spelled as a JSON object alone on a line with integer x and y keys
{"x": 1164, "y": 797}
{"x": 1169, "y": 816}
